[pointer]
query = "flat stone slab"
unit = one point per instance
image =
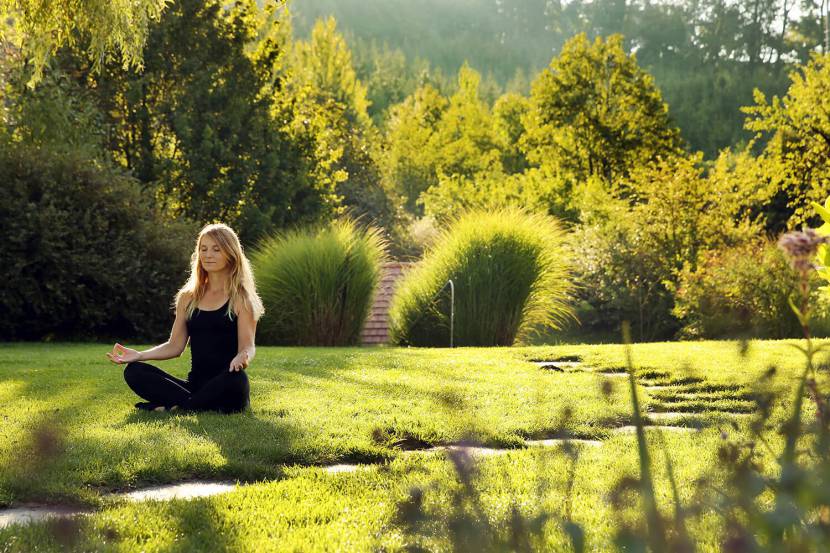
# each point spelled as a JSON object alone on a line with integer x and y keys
{"x": 478, "y": 451}
{"x": 558, "y": 442}
{"x": 27, "y": 515}
{"x": 631, "y": 429}
{"x": 185, "y": 490}
{"x": 343, "y": 467}
{"x": 663, "y": 415}
{"x": 559, "y": 365}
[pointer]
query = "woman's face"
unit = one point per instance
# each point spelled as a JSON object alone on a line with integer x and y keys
{"x": 211, "y": 256}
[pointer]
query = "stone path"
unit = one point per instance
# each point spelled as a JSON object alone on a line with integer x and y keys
{"x": 668, "y": 393}
{"x": 685, "y": 388}
{"x": 36, "y": 513}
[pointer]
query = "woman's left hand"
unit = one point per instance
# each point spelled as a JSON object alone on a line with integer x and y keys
{"x": 239, "y": 362}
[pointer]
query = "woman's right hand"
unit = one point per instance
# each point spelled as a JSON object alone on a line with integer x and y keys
{"x": 120, "y": 354}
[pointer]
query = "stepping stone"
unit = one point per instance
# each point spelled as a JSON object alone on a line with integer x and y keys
{"x": 558, "y": 365}
{"x": 663, "y": 415}
{"x": 558, "y": 442}
{"x": 631, "y": 429}
{"x": 187, "y": 490}
{"x": 337, "y": 469}
{"x": 477, "y": 451}
{"x": 27, "y": 515}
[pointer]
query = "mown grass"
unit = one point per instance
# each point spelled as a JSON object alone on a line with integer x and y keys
{"x": 322, "y": 406}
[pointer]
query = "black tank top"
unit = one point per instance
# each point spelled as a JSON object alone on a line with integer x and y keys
{"x": 213, "y": 343}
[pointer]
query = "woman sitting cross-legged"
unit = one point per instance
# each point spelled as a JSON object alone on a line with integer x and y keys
{"x": 217, "y": 309}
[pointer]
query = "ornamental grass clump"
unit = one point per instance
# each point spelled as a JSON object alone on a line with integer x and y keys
{"x": 510, "y": 278}
{"x": 317, "y": 284}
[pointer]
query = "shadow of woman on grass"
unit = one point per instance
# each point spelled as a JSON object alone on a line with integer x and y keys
{"x": 253, "y": 446}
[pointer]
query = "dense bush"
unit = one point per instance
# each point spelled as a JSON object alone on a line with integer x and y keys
{"x": 84, "y": 255}
{"x": 621, "y": 276}
{"x": 510, "y": 278}
{"x": 743, "y": 291}
{"x": 317, "y": 285}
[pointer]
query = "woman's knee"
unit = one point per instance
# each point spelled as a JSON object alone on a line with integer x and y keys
{"x": 238, "y": 392}
{"x": 132, "y": 370}
{"x": 238, "y": 380}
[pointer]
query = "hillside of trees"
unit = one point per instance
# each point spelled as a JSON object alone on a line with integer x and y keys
{"x": 707, "y": 56}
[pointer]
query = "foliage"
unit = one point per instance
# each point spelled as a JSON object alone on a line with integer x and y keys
{"x": 596, "y": 114}
{"x": 85, "y": 254}
{"x": 706, "y": 56}
{"x": 510, "y": 278}
{"x": 784, "y": 508}
{"x": 796, "y": 158}
{"x": 41, "y": 28}
{"x": 330, "y": 111}
{"x": 534, "y": 190}
{"x": 57, "y": 115}
{"x": 200, "y": 126}
{"x": 633, "y": 244}
{"x": 408, "y": 162}
{"x": 620, "y": 276}
{"x": 429, "y": 136}
{"x": 738, "y": 292}
{"x": 317, "y": 285}
{"x": 324, "y": 63}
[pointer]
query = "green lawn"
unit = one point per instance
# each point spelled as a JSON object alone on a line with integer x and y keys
{"x": 69, "y": 434}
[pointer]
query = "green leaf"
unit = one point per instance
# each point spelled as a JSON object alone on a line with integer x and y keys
{"x": 824, "y": 212}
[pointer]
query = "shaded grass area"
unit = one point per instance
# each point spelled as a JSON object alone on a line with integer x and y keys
{"x": 323, "y": 406}
{"x": 310, "y": 510}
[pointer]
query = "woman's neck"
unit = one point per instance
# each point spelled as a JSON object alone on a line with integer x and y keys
{"x": 217, "y": 283}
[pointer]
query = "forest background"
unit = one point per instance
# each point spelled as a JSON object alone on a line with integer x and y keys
{"x": 675, "y": 139}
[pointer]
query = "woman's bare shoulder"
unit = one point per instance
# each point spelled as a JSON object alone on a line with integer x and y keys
{"x": 242, "y": 304}
{"x": 183, "y": 299}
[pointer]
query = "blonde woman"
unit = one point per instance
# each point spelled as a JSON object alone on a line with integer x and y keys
{"x": 217, "y": 310}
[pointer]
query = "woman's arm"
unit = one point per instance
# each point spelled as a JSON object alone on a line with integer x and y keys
{"x": 173, "y": 347}
{"x": 246, "y": 331}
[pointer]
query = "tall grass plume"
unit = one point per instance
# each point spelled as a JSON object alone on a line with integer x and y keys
{"x": 317, "y": 284}
{"x": 510, "y": 276}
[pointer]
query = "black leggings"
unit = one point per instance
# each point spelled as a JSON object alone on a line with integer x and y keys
{"x": 227, "y": 392}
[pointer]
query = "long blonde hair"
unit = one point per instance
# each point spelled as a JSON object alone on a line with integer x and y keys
{"x": 241, "y": 288}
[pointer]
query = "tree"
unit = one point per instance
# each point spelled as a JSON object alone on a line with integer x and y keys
{"x": 595, "y": 114}
{"x": 408, "y": 161}
{"x": 796, "y": 160}
{"x": 430, "y": 137}
{"x": 509, "y": 112}
{"x": 325, "y": 64}
{"x": 200, "y": 126}
{"x": 41, "y": 27}
{"x": 326, "y": 91}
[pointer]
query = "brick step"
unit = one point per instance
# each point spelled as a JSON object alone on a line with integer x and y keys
{"x": 376, "y": 330}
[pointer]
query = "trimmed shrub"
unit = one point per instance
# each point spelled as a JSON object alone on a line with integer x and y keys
{"x": 317, "y": 285}
{"x": 510, "y": 279}
{"x": 743, "y": 291}
{"x": 84, "y": 254}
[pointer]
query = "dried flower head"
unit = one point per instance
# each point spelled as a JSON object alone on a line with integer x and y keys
{"x": 800, "y": 247}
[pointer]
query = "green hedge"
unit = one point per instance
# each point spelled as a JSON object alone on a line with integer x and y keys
{"x": 84, "y": 255}
{"x": 510, "y": 278}
{"x": 744, "y": 291}
{"x": 317, "y": 284}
